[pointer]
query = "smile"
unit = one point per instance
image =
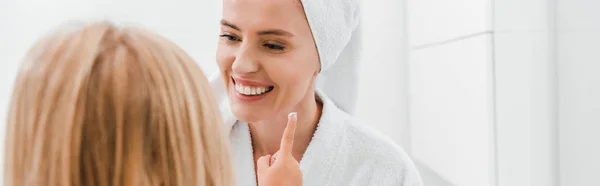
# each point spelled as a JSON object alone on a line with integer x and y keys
{"x": 248, "y": 90}
{"x": 252, "y": 90}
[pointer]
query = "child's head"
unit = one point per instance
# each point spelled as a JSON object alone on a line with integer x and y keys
{"x": 100, "y": 105}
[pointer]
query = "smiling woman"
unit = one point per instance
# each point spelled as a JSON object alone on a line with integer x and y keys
{"x": 271, "y": 54}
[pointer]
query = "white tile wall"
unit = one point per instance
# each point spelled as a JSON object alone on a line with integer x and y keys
{"x": 578, "y": 15}
{"x": 520, "y": 15}
{"x": 514, "y": 54}
{"x": 383, "y": 77}
{"x": 579, "y": 87}
{"x": 579, "y": 103}
{"x": 524, "y": 108}
{"x": 439, "y": 20}
{"x": 451, "y": 110}
{"x": 525, "y": 93}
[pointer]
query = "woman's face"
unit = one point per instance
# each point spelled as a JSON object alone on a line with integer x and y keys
{"x": 267, "y": 57}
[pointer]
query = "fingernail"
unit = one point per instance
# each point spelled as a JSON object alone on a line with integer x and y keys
{"x": 293, "y": 116}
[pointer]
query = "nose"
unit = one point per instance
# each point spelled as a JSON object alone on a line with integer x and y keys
{"x": 245, "y": 61}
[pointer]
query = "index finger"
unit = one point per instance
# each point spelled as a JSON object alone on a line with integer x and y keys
{"x": 287, "y": 140}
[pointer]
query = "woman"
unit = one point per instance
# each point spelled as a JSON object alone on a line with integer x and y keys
{"x": 99, "y": 105}
{"x": 270, "y": 56}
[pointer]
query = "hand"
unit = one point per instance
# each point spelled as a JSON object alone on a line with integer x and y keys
{"x": 281, "y": 169}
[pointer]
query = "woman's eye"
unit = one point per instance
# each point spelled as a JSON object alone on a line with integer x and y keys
{"x": 229, "y": 37}
{"x": 274, "y": 47}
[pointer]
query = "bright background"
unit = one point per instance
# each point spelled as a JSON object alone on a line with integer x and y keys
{"x": 479, "y": 92}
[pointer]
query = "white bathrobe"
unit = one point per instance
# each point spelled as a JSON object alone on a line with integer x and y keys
{"x": 341, "y": 152}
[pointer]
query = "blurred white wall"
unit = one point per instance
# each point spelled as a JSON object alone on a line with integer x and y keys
{"x": 547, "y": 92}
{"x": 525, "y": 38}
{"x": 383, "y": 79}
{"x": 525, "y": 93}
{"x": 578, "y": 62}
{"x": 451, "y": 105}
{"x": 507, "y": 100}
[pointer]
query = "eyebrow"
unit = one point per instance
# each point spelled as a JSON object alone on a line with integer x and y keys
{"x": 277, "y": 32}
{"x": 227, "y": 24}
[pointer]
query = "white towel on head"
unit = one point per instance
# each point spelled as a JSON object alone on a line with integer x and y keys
{"x": 334, "y": 25}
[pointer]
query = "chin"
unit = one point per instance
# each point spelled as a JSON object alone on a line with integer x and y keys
{"x": 246, "y": 113}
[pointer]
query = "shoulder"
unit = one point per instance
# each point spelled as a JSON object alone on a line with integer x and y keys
{"x": 383, "y": 158}
{"x": 364, "y": 140}
{"x": 369, "y": 156}
{"x": 377, "y": 158}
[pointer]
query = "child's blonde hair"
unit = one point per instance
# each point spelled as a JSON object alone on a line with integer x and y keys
{"x": 103, "y": 105}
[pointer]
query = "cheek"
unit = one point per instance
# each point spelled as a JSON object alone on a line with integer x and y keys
{"x": 296, "y": 74}
{"x": 294, "y": 82}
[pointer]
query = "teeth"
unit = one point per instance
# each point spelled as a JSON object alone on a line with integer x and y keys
{"x": 246, "y": 90}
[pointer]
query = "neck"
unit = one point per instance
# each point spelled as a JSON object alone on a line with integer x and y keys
{"x": 266, "y": 135}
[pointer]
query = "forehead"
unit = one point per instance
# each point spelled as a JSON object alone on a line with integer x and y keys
{"x": 258, "y": 14}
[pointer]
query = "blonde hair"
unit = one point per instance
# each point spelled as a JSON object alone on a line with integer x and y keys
{"x": 102, "y": 105}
